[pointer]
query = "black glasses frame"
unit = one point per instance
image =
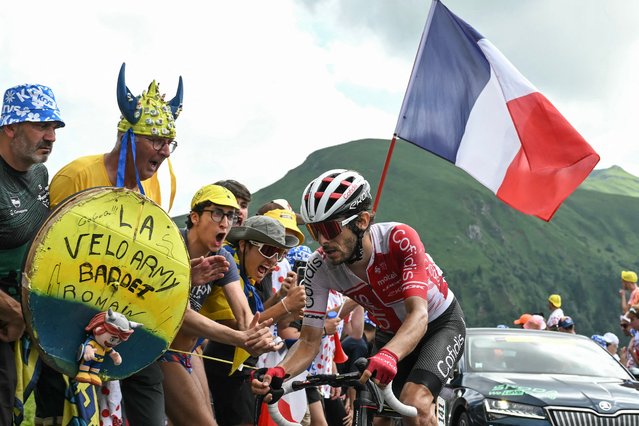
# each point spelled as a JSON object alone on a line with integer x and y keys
{"x": 217, "y": 214}
{"x": 158, "y": 143}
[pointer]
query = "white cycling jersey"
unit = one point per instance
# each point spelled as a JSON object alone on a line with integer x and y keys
{"x": 399, "y": 268}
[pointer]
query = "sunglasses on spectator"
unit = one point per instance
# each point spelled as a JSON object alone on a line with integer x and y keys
{"x": 269, "y": 251}
{"x": 328, "y": 229}
{"x": 218, "y": 214}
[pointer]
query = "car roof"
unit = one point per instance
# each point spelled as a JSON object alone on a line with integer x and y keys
{"x": 474, "y": 331}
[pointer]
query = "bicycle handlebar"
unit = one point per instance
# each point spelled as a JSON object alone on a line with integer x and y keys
{"x": 337, "y": 380}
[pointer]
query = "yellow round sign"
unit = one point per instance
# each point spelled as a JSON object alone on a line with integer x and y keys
{"x": 106, "y": 248}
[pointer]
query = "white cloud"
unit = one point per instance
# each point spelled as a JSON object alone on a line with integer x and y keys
{"x": 267, "y": 83}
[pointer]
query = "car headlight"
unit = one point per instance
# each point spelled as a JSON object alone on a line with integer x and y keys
{"x": 498, "y": 408}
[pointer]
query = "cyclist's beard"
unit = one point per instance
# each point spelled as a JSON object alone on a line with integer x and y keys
{"x": 358, "y": 250}
{"x": 345, "y": 249}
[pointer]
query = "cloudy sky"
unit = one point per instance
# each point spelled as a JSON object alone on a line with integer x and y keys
{"x": 268, "y": 82}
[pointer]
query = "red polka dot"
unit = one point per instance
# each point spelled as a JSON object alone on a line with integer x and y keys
{"x": 101, "y": 423}
{"x": 276, "y": 268}
{"x": 105, "y": 413}
{"x": 105, "y": 390}
{"x": 117, "y": 408}
{"x": 319, "y": 366}
{"x": 281, "y": 279}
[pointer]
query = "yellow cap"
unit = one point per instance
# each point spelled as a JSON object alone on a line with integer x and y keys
{"x": 629, "y": 276}
{"x": 288, "y": 219}
{"x": 216, "y": 194}
{"x": 555, "y": 299}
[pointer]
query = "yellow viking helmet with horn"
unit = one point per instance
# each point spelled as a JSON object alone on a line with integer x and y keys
{"x": 148, "y": 114}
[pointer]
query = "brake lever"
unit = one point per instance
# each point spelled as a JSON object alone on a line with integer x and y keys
{"x": 361, "y": 364}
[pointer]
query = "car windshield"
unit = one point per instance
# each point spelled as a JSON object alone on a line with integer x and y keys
{"x": 553, "y": 353}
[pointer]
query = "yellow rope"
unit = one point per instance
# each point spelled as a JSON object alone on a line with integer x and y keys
{"x": 212, "y": 358}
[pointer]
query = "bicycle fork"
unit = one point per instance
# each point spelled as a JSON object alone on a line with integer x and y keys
{"x": 365, "y": 408}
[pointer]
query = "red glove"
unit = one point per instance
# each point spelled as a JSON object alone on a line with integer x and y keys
{"x": 278, "y": 374}
{"x": 383, "y": 366}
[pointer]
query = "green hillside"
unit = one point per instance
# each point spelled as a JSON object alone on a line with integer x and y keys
{"x": 613, "y": 180}
{"x": 499, "y": 262}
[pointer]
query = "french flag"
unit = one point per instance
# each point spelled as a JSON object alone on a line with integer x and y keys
{"x": 466, "y": 103}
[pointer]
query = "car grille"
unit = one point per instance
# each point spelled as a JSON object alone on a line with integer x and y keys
{"x": 578, "y": 417}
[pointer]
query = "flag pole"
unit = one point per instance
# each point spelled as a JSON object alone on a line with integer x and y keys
{"x": 383, "y": 177}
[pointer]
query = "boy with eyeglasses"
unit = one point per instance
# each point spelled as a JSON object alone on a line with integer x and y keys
{"x": 213, "y": 213}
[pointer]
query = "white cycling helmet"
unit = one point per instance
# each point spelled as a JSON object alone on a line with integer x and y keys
{"x": 333, "y": 194}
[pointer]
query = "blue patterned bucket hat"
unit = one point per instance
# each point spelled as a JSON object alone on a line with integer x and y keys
{"x": 298, "y": 254}
{"x": 29, "y": 102}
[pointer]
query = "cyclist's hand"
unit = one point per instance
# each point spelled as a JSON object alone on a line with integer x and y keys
{"x": 266, "y": 379}
{"x": 382, "y": 366}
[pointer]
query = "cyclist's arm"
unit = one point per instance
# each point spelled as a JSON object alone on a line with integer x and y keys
{"x": 413, "y": 328}
{"x": 302, "y": 353}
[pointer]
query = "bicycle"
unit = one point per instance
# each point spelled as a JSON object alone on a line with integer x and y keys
{"x": 369, "y": 399}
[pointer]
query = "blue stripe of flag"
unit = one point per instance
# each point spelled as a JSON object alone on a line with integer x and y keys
{"x": 447, "y": 78}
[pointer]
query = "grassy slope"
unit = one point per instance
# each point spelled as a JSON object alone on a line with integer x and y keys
{"x": 613, "y": 180}
{"x": 498, "y": 261}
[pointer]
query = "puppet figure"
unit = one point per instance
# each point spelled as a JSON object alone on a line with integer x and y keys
{"x": 106, "y": 330}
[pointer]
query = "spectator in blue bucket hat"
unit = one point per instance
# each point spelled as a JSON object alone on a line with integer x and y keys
{"x": 30, "y": 117}
{"x": 32, "y": 103}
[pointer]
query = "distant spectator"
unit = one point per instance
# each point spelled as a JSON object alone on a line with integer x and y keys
{"x": 242, "y": 195}
{"x": 612, "y": 344}
{"x": 358, "y": 348}
{"x": 624, "y": 325}
{"x": 633, "y": 326}
{"x": 554, "y": 306}
{"x": 536, "y": 322}
{"x": 628, "y": 283}
{"x": 522, "y": 320}
{"x": 566, "y": 325}
{"x": 598, "y": 339}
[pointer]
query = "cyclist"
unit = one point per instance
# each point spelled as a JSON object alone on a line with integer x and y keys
{"x": 384, "y": 267}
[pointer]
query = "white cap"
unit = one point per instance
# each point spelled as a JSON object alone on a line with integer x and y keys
{"x": 283, "y": 204}
{"x": 611, "y": 338}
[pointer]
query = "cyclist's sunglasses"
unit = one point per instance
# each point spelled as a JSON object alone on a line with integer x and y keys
{"x": 269, "y": 251}
{"x": 329, "y": 229}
